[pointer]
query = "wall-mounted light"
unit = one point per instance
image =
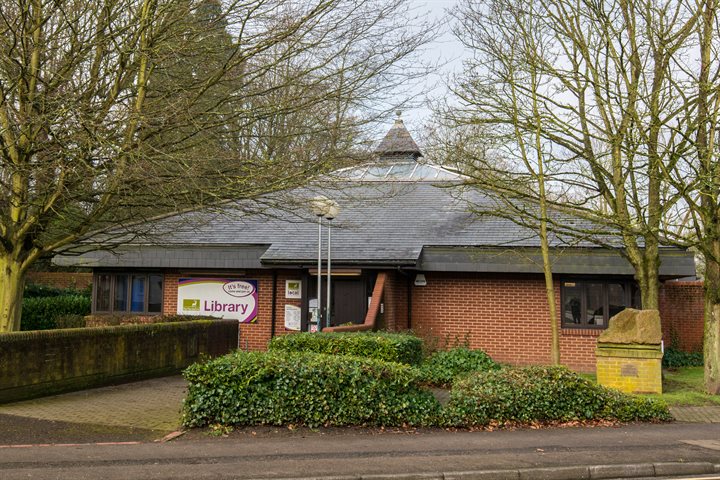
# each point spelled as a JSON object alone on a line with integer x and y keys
{"x": 420, "y": 280}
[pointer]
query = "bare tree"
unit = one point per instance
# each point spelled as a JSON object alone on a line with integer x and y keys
{"x": 695, "y": 173}
{"x": 514, "y": 34}
{"x": 115, "y": 110}
{"x": 622, "y": 108}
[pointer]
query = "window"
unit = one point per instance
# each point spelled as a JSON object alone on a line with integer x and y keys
{"x": 591, "y": 303}
{"x": 121, "y": 292}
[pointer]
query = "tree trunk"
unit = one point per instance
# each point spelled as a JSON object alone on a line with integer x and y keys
{"x": 12, "y": 281}
{"x": 647, "y": 275}
{"x": 711, "y": 339}
{"x": 550, "y": 293}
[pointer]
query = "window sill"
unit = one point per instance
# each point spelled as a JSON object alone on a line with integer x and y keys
{"x": 581, "y": 332}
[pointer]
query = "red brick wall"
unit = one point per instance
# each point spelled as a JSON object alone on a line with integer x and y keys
{"x": 682, "y": 313}
{"x": 507, "y": 317}
{"x": 252, "y": 336}
{"x": 61, "y": 279}
{"x": 395, "y": 302}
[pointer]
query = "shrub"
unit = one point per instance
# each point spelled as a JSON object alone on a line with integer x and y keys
{"x": 305, "y": 388}
{"x": 634, "y": 408}
{"x": 542, "y": 394}
{"x": 442, "y": 367}
{"x": 675, "y": 358}
{"x": 129, "y": 318}
{"x": 33, "y": 290}
{"x": 70, "y": 321}
{"x": 41, "y": 313}
{"x": 391, "y": 347}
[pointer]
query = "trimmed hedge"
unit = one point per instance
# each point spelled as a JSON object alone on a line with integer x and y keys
{"x": 442, "y": 367}
{"x": 390, "y": 347}
{"x": 533, "y": 394}
{"x": 41, "y": 313}
{"x": 33, "y": 290}
{"x": 313, "y": 389}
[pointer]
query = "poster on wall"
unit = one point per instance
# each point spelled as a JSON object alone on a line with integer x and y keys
{"x": 293, "y": 289}
{"x": 292, "y": 317}
{"x": 228, "y": 298}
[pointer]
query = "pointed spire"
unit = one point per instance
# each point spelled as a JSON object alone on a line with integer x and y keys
{"x": 398, "y": 142}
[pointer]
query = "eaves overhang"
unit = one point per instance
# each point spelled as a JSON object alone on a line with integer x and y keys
{"x": 675, "y": 263}
{"x": 169, "y": 256}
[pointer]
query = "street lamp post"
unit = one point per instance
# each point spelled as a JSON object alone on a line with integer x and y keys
{"x": 319, "y": 208}
{"x": 332, "y": 212}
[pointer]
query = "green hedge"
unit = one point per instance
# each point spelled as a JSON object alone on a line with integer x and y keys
{"x": 42, "y": 313}
{"x": 390, "y": 347}
{"x": 313, "y": 389}
{"x": 33, "y": 290}
{"x": 674, "y": 358}
{"x": 532, "y": 394}
{"x": 444, "y": 366}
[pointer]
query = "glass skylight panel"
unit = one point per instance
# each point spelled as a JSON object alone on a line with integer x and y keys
{"x": 402, "y": 171}
{"x": 377, "y": 172}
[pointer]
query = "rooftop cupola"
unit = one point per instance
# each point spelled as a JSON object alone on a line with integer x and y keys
{"x": 398, "y": 144}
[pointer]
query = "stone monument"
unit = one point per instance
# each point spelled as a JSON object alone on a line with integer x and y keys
{"x": 629, "y": 352}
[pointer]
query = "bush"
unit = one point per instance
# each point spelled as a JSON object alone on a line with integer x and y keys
{"x": 280, "y": 388}
{"x": 41, "y": 313}
{"x": 674, "y": 358}
{"x": 70, "y": 321}
{"x": 390, "y": 347}
{"x": 33, "y": 290}
{"x": 129, "y": 318}
{"x": 542, "y": 394}
{"x": 442, "y": 367}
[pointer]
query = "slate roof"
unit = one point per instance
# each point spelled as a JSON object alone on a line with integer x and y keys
{"x": 397, "y": 212}
{"x": 380, "y": 223}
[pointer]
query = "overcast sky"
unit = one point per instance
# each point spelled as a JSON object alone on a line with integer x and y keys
{"x": 445, "y": 51}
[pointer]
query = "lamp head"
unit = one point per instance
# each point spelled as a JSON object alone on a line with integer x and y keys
{"x": 333, "y": 209}
{"x": 319, "y": 205}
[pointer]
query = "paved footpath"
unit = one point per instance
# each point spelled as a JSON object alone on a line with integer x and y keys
{"x": 707, "y": 414}
{"x": 150, "y": 404}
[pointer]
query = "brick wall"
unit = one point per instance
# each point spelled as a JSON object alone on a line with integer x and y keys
{"x": 61, "y": 279}
{"x": 251, "y": 336}
{"x": 682, "y": 313}
{"x": 507, "y": 317}
{"x": 395, "y": 302}
{"x": 46, "y": 362}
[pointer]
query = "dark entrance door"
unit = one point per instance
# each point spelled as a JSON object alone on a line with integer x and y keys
{"x": 349, "y": 304}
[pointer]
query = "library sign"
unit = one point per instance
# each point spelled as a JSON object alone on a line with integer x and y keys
{"x": 218, "y": 297}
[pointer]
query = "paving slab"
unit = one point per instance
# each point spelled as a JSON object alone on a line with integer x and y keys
{"x": 704, "y": 414}
{"x": 150, "y": 405}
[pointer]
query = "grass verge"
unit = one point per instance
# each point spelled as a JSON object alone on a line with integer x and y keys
{"x": 682, "y": 387}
